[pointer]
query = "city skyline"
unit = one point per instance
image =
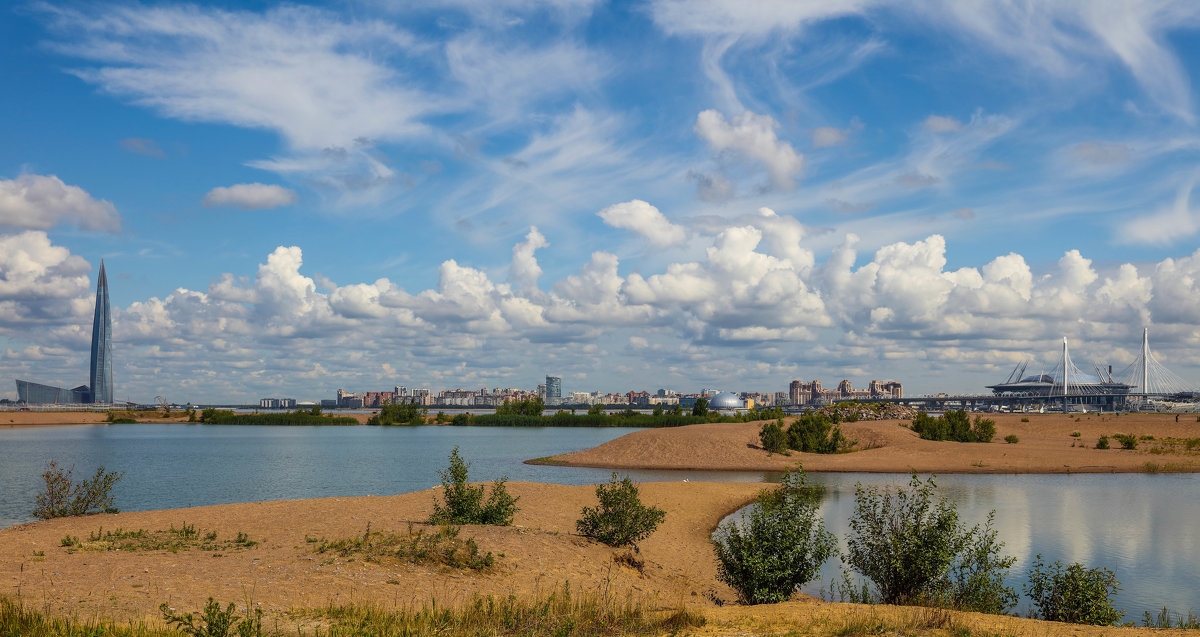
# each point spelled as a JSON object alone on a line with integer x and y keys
{"x": 293, "y": 197}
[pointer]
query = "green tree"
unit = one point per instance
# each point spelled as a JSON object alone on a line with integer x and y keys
{"x": 677, "y": 410}
{"x": 621, "y": 519}
{"x": 701, "y": 407}
{"x": 464, "y": 504}
{"x": 780, "y": 545}
{"x": 912, "y": 547}
{"x": 773, "y": 438}
{"x": 63, "y": 498}
{"x": 596, "y": 410}
{"x": 658, "y": 410}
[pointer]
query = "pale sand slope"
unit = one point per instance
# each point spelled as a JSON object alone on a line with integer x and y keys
{"x": 1045, "y": 446}
{"x": 541, "y": 551}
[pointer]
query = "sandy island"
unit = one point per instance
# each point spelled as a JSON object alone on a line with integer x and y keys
{"x": 888, "y": 446}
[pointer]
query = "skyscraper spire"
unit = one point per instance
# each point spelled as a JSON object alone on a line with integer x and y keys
{"x": 101, "y": 370}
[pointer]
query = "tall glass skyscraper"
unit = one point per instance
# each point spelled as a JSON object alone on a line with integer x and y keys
{"x": 553, "y": 390}
{"x": 101, "y": 378}
{"x": 100, "y": 389}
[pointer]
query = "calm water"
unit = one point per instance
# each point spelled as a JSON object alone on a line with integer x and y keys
{"x": 1144, "y": 527}
{"x": 172, "y": 465}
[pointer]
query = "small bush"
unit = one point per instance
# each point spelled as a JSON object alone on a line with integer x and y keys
{"x": 954, "y": 425}
{"x": 816, "y": 433}
{"x": 1024, "y": 419}
{"x": 780, "y": 545}
{"x": 1074, "y": 594}
{"x": 1075, "y": 434}
{"x": 914, "y": 550}
{"x": 1128, "y": 441}
{"x": 464, "y": 503}
{"x": 1102, "y": 443}
{"x": 64, "y": 498}
{"x": 214, "y": 622}
{"x": 1012, "y": 439}
{"x": 773, "y": 438}
{"x": 400, "y": 414}
{"x": 621, "y": 519}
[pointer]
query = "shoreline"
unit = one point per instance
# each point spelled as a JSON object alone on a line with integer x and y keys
{"x": 282, "y": 573}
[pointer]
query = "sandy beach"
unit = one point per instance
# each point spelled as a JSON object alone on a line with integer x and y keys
{"x": 1045, "y": 446}
{"x": 284, "y": 574}
{"x": 537, "y": 554}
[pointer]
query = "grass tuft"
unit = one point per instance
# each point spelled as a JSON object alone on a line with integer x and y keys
{"x": 442, "y": 546}
{"x": 174, "y": 540}
{"x": 562, "y": 612}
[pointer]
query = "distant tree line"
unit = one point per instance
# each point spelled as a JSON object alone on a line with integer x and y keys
{"x": 313, "y": 416}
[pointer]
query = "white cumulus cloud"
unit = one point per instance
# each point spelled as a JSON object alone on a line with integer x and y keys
{"x": 253, "y": 196}
{"x": 644, "y": 219}
{"x": 753, "y": 136}
{"x": 44, "y": 201}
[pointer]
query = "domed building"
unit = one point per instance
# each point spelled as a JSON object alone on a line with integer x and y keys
{"x": 726, "y": 401}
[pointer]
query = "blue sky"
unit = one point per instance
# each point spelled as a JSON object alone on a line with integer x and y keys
{"x": 293, "y": 198}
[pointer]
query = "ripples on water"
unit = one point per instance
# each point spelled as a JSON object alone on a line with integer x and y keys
{"x": 1146, "y": 528}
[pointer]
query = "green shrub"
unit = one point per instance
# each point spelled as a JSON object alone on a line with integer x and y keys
{"x": 773, "y": 438}
{"x": 701, "y": 407}
{"x": 1012, "y": 439}
{"x": 524, "y": 407}
{"x": 780, "y": 545}
{"x": 816, "y": 433}
{"x": 214, "y": 622}
{"x": 954, "y": 425}
{"x": 1024, "y": 419}
{"x": 621, "y": 519}
{"x": 1102, "y": 443}
{"x": 1075, "y": 434}
{"x": 1128, "y": 441}
{"x": 400, "y": 414}
{"x": 63, "y": 497}
{"x": 1074, "y": 594}
{"x": 464, "y": 503}
{"x": 914, "y": 550}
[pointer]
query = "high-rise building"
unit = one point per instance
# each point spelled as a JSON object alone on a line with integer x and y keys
{"x": 100, "y": 388}
{"x": 553, "y": 390}
{"x": 101, "y": 371}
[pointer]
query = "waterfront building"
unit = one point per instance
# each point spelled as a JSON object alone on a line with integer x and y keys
{"x": 99, "y": 389}
{"x": 553, "y": 390}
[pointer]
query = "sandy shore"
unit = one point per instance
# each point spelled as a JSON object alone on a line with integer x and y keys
{"x": 535, "y": 556}
{"x": 1045, "y": 446}
{"x": 539, "y": 552}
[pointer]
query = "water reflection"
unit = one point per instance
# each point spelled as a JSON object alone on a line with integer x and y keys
{"x": 1142, "y": 527}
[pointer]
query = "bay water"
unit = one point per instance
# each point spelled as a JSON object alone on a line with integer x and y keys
{"x": 1146, "y": 528}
